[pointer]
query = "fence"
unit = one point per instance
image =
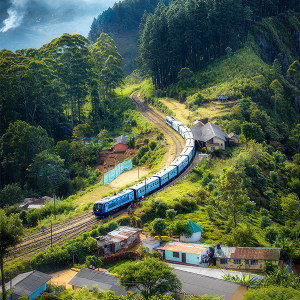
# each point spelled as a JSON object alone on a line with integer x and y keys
{"x": 119, "y": 169}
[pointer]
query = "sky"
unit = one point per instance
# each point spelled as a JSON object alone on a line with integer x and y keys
{"x": 32, "y": 23}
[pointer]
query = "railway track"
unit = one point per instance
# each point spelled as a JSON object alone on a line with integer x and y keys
{"x": 158, "y": 120}
{"x": 40, "y": 241}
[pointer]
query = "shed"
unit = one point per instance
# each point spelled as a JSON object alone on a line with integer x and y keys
{"x": 119, "y": 143}
{"x": 234, "y": 138}
{"x": 245, "y": 258}
{"x": 90, "y": 278}
{"x": 29, "y": 284}
{"x": 195, "y": 230}
{"x": 185, "y": 253}
{"x": 118, "y": 239}
{"x": 222, "y": 98}
{"x": 151, "y": 243}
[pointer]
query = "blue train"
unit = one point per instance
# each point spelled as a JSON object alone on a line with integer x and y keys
{"x": 121, "y": 200}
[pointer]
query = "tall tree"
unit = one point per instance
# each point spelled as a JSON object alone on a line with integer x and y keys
{"x": 10, "y": 235}
{"x": 150, "y": 276}
{"x": 232, "y": 196}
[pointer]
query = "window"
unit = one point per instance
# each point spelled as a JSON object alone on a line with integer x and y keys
{"x": 176, "y": 254}
{"x": 221, "y": 145}
{"x": 254, "y": 262}
{"x": 237, "y": 261}
{"x": 223, "y": 261}
{"x": 212, "y": 148}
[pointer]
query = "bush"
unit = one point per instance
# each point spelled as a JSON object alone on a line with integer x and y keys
{"x": 152, "y": 145}
{"x": 142, "y": 151}
{"x": 92, "y": 261}
{"x": 124, "y": 221}
{"x": 265, "y": 221}
{"x": 271, "y": 234}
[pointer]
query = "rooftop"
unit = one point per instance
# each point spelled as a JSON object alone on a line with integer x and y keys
{"x": 194, "y": 227}
{"x": 185, "y": 247}
{"x": 231, "y": 134}
{"x": 103, "y": 281}
{"x": 120, "y": 140}
{"x": 262, "y": 253}
{"x": 27, "y": 283}
{"x": 120, "y": 234}
{"x": 207, "y": 132}
{"x": 151, "y": 241}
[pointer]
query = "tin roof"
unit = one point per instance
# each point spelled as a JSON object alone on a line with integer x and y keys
{"x": 184, "y": 247}
{"x": 119, "y": 140}
{"x": 120, "y": 234}
{"x": 151, "y": 241}
{"x": 248, "y": 253}
{"x": 231, "y": 134}
{"x": 27, "y": 283}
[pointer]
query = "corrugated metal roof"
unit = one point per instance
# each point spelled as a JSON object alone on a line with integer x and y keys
{"x": 103, "y": 281}
{"x": 27, "y": 283}
{"x": 119, "y": 140}
{"x": 248, "y": 253}
{"x": 120, "y": 234}
{"x": 199, "y": 285}
{"x": 184, "y": 247}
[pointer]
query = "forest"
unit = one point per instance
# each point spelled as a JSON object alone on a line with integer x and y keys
{"x": 53, "y": 100}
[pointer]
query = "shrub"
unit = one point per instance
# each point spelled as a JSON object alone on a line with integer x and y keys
{"x": 271, "y": 234}
{"x": 124, "y": 221}
{"x": 92, "y": 261}
{"x": 152, "y": 145}
{"x": 265, "y": 221}
{"x": 142, "y": 151}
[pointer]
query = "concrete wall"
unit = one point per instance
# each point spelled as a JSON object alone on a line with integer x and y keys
{"x": 191, "y": 258}
{"x": 235, "y": 139}
{"x": 120, "y": 147}
{"x": 239, "y": 293}
{"x": 230, "y": 264}
{"x": 195, "y": 237}
{"x": 151, "y": 247}
{"x": 220, "y": 142}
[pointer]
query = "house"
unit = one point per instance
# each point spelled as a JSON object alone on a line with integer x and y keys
{"x": 223, "y": 98}
{"x": 194, "y": 254}
{"x": 234, "y": 137}
{"x": 119, "y": 144}
{"x": 212, "y": 137}
{"x": 198, "y": 123}
{"x": 195, "y": 230}
{"x": 151, "y": 243}
{"x": 103, "y": 281}
{"x": 29, "y": 284}
{"x": 29, "y": 203}
{"x": 247, "y": 258}
{"x": 117, "y": 240}
{"x": 199, "y": 285}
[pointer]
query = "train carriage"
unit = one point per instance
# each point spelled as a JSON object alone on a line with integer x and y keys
{"x": 113, "y": 203}
{"x": 180, "y": 162}
{"x": 166, "y": 175}
{"x": 191, "y": 144}
{"x": 145, "y": 187}
{"x": 189, "y": 151}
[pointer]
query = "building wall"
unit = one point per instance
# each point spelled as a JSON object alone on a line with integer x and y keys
{"x": 239, "y": 293}
{"x": 195, "y": 237}
{"x": 235, "y": 139}
{"x": 191, "y": 258}
{"x": 151, "y": 247}
{"x": 120, "y": 147}
{"x": 230, "y": 264}
{"x": 220, "y": 142}
{"x": 38, "y": 291}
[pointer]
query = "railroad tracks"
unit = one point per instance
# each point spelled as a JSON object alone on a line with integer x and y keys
{"x": 158, "y": 120}
{"x": 40, "y": 241}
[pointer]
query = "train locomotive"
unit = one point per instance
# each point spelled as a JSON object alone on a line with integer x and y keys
{"x": 137, "y": 192}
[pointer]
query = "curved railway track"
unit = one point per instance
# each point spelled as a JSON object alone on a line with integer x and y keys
{"x": 158, "y": 120}
{"x": 39, "y": 241}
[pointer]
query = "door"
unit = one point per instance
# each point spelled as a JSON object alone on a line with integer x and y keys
{"x": 247, "y": 264}
{"x": 183, "y": 257}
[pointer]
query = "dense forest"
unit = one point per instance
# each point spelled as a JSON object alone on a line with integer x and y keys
{"x": 191, "y": 33}
{"x": 63, "y": 90}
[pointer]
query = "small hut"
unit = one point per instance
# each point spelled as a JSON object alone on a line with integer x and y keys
{"x": 222, "y": 98}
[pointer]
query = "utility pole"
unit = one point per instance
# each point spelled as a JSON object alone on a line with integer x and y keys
{"x": 54, "y": 208}
{"x": 51, "y": 233}
{"x": 10, "y": 285}
{"x": 97, "y": 257}
{"x": 73, "y": 253}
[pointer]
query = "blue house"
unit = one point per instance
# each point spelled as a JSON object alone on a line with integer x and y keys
{"x": 29, "y": 284}
{"x": 184, "y": 253}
